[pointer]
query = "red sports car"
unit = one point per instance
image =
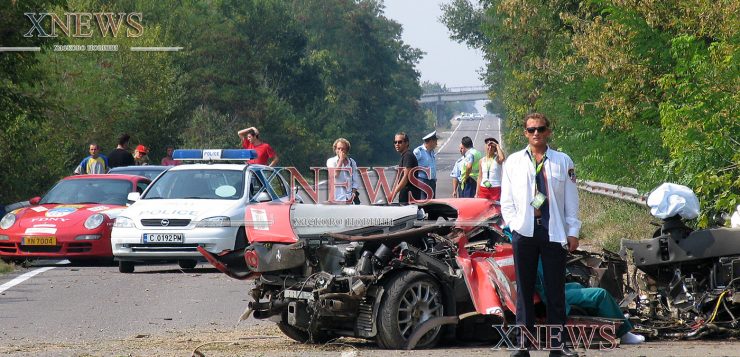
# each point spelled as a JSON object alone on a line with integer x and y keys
{"x": 73, "y": 220}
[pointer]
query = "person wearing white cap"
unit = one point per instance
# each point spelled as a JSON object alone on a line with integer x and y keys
{"x": 427, "y": 159}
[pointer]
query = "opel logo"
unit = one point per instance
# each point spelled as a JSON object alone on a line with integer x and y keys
{"x": 165, "y": 222}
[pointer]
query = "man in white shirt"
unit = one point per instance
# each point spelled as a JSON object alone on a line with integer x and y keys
{"x": 539, "y": 202}
{"x": 344, "y": 178}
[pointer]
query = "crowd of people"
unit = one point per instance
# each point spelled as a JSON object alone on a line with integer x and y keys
{"x": 98, "y": 163}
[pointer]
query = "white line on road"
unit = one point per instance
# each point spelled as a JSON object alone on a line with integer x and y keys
{"x": 477, "y": 131}
{"x": 451, "y": 135}
{"x": 23, "y": 278}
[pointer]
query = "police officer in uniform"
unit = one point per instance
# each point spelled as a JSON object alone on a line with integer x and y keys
{"x": 427, "y": 159}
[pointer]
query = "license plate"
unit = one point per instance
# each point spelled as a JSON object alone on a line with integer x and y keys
{"x": 39, "y": 240}
{"x": 163, "y": 237}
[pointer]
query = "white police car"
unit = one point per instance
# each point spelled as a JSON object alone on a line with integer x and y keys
{"x": 188, "y": 206}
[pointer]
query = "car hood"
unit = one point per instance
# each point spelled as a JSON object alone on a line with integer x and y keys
{"x": 184, "y": 209}
{"x": 63, "y": 215}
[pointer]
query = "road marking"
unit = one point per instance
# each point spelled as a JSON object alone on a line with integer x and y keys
{"x": 23, "y": 278}
{"x": 477, "y": 130}
{"x": 451, "y": 135}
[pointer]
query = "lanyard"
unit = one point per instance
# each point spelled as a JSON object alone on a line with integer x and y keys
{"x": 537, "y": 168}
{"x": 488, "y": 161}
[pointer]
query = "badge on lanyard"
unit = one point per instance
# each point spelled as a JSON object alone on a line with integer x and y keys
{"x": 538, "y": 200}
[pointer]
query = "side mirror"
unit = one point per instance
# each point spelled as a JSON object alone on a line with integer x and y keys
{"x": 263, "y": 197}
{"x": 133, "y": 196}
{"x": 34, "y": 201}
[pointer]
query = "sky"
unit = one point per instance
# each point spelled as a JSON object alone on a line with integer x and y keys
{"x": 446, "y": 61}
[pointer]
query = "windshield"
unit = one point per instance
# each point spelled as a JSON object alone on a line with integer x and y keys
{"x": 198, "y": 184}
{"x": 104, "y": 191}
{"x": 150, "y": 174}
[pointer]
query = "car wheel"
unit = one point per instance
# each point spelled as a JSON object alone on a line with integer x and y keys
{"x": 299, "y": 335}
{"x": 126, "y": 267}
{"x": 187, "y": 264}
{"x": 411, "y": 298}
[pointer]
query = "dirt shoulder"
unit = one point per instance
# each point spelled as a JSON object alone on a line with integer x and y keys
{"x": 267, "y": 340}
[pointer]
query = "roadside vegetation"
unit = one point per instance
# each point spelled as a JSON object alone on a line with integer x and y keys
{"x": 304, "y": 72}
{"x": 605, "y": 221}
{"x": 639, "y": 92}
{"x": 5, "y": 267}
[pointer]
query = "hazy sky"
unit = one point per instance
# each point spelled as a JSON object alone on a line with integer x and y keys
{"x": 446, "y": 61}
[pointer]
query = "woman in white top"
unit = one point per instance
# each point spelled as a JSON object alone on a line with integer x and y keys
{"x": 345, "y": 182}
{"x": 489, "y": 174}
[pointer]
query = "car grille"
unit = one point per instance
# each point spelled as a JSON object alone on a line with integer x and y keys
{"x": 79, "y": 247}
{"x": 40, "y": 248}
{"x": 163, "y": 247}
{"x": 157, "y": 222}
{"x": 8, "y": 248}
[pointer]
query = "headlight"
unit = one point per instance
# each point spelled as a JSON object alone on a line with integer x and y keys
{"x": 215, "y": 222}
{"x": 7, "y": 221}
{"x": 94, "y": 221}
{"x": 123, "y": 222}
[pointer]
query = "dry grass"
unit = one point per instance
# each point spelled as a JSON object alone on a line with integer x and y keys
{"x": 607, "y": 220}
{"x": 5, "y": 267}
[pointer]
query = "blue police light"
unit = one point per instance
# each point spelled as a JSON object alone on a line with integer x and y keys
{"x": 213, "y": 154}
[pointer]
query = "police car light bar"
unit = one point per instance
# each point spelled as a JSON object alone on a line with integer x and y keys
{"x": 213, "y": 154}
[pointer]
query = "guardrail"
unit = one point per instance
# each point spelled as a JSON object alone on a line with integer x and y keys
{"x": 449, "y": 90}
{"x": 614, "y": 191}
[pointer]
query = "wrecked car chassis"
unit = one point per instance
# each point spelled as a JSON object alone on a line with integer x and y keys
{"x": 444, "y": 270}
{"x": 348, "y": 283}
{"x": 686, "y": 283}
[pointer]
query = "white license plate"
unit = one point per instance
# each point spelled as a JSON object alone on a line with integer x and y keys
{"x": 163, "y": 237}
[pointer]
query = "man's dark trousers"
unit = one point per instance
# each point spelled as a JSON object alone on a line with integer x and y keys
{"x": 527, "y": 251}
{"x": 432, "y": 184}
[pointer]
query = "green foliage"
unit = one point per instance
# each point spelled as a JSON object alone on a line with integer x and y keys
{"x": 639, "y": 93}
{"x": 303, "y": 72}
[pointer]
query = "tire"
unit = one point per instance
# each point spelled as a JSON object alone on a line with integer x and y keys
{"x": 187, "y": 264}
{"x": 299, "y": 335}
{"x": 410, "y": 298}
{"x": 125, "y": 267}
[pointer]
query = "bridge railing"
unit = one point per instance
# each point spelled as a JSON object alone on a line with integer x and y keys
{"x": 457, "y": 90}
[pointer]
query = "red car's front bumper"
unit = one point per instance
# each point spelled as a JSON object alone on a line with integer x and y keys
{"x": 66, "y": 247}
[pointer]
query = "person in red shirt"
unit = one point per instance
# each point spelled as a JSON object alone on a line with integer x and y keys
{"x": 251, "y": 140}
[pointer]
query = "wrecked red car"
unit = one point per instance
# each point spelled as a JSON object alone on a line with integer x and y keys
{"x": 405, "y": 276}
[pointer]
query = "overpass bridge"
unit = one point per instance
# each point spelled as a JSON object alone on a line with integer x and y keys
{"x": 453, "y": 94}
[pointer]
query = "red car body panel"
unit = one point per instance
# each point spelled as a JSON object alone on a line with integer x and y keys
{"x": 63, "y": 222}
{"x": 269, "y": 222}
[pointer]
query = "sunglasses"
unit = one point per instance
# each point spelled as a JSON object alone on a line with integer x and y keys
{"x": 399, "y": 142}
{"x": 540, "y": 129}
